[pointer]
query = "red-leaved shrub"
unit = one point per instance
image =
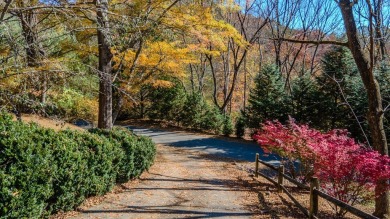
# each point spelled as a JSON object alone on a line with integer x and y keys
{"x": 346, "y": 169}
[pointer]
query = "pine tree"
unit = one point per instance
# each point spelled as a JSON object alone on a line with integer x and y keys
{"x": 338, "y": 73}
{"x": 268, "y": 100}
{"x": 308, "y": 102}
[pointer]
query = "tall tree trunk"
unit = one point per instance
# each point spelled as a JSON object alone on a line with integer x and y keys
{"x": 34, "y": 50}
{"x": 192, "y": 78}
{"x": 105, "y": 68}
{"x": 245, "y": 85}
{"x": 226, "y": 77}
{"x": 375, "y": 114}
{"x": 117, "y": 104}
{"x": 44, "y": 87}
{"x": 378, "y": 6}
{"x": 201, "y": 74}
{"x": 29, "y": 22}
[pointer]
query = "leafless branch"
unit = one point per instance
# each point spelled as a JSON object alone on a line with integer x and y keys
{"x": 5, "y": 9}
{"x": 350, "y": 107}
{"x": 321, "y": 42}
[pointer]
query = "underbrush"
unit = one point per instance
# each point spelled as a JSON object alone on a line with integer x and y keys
{"x": 43, "y": 172}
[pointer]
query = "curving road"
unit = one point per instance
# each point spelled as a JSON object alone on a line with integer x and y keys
{"x": 188, "y": 180}
{"x": 222, "y": 147}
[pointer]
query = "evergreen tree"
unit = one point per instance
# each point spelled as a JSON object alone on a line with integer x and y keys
{"x": 240, "y": 126}
{"x": 339, "y": 72}
{"x": 268, "y": 100}
{"x": 166, "y": 102}
{"x": 228, "y": 128}
{"x": 345, "y": 104}
{"x": 355, "y": 119}
{"x": 197, "y": 113}
{"x": 307, "y": 102}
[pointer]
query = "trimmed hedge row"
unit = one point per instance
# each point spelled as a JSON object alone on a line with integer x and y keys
{"x": 43, "y": 171}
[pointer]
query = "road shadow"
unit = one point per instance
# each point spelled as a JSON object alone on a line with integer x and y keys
{"x": 222, "y": 148}
{"x": 161, "y": 210}
{"x": 214, "y": 183}
{"x": 178, "y": 209}
{"x": 239, "y": 151}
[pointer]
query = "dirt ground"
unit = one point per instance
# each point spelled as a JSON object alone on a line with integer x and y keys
{"x": 49, "y": 123}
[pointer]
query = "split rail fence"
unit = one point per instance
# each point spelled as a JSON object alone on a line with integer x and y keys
{"x": 314, "y": 189}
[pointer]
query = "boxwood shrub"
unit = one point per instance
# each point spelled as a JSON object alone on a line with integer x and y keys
{"x": 43, "y": 171}
{"x": 138, "y": 152}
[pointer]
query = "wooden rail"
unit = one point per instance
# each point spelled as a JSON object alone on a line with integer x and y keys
{"x": 301, "y": 207}
{"x": 315, "y": 192}
{"x": 294, "y": 181}
{"x": 344, "y": 205}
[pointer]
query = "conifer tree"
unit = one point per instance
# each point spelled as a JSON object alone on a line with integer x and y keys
{"x": 267, "y": 100}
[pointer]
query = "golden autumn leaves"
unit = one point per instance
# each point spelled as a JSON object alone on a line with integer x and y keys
{"x": 185, "y": 32}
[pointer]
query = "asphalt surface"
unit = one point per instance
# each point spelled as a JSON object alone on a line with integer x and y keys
{"x": 181, "y": 184}
{"x": 234, "y": 149}
{"x": 185, "y": 181}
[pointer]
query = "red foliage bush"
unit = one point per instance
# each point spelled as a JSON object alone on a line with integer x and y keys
{"x": 346, "y": 169}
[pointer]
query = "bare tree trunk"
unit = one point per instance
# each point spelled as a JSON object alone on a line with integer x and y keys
{"x": 202, "y": 74}
{"x": 105, "y": 68}
{"x": 29, "y": 21}
{"x": 117, "y": 104}
{"x": 44, "y": 87}
{"x": 192, "y": 78}
{"x": 245, "y": 85}
{"x": 198, "y": 70}
{"x": 278, "y": 44}
{"x": 213, "y": 73}
{"x": 375, "y": 114}
{"x": 34, "y": 50}
{"x": 378, "y": 29}
{"x": 226, "y": 76}
{"x": 142, "y": 103}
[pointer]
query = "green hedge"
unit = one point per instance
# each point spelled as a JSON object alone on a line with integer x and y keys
{"x": 43, "y": 171}
{"x": 138, "y": 152}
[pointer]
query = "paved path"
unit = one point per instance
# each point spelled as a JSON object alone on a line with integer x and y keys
{"x": 238, "y": 150}
{"x": 186, "y": 181}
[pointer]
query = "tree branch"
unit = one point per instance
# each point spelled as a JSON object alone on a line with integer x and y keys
{"x": 167, "y": 9}
{"x": 5, "y": 9}
{"x": 321, "y": 42}
{"x": 387, "y": 108}
{"x": 51, "y": 7}
{"x": 350, "y": 107}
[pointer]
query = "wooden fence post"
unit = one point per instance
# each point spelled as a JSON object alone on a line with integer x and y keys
{"x": 280, "y": 178}
{"x": 257, "y": 165}
{"x": 314, "y": 184}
